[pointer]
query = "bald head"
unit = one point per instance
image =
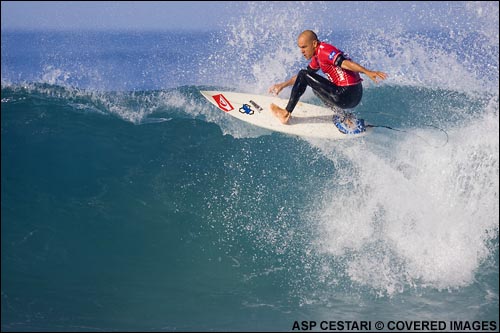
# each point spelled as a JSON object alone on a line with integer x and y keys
{"x": 308, "y": 42}
{"x": 308, "y": 36}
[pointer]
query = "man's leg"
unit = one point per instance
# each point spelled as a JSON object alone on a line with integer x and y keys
{"x": 333, "y": 96}
{"x": 329, "y": 103}
{"x": 324, "y": 89}
{"x": 298, "y": 90}
{"x": 320, "y": 85}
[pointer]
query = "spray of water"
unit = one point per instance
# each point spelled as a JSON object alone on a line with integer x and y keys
{"x": 399, "y": 213}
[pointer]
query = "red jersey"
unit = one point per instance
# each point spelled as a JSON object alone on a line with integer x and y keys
{"x": 324, "y": 58}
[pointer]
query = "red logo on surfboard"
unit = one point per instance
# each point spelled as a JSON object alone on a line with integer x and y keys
{"x": 223, "y": 103}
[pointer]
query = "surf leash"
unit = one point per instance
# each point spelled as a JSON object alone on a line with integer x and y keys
{"x": 408, "y": 132}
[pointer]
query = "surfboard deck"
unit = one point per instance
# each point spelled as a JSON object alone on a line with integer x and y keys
{"x": 307, "y": 120}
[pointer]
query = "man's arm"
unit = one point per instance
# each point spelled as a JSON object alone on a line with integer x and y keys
{"x": 355, "y": 67}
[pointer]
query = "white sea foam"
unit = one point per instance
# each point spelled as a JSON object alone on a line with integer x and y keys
{"x": 399, "y": 212}
{"x": 412, "y": 214}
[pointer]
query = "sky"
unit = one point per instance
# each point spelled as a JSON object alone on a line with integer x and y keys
{"x": 204, "y": 15}
{"x": 114, "y": 15}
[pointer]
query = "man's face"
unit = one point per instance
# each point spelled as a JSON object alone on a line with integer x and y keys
{"x": 307, "y": 47}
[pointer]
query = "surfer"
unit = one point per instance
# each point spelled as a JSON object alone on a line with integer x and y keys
{"x": 340, "y": 89}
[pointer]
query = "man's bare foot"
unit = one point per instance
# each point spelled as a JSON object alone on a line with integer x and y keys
{"x": 349, "y": 121}
{"x": 282, "y": 114}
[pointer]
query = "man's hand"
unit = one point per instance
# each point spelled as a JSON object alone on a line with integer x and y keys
{"x": 375, "y": 74}
{"x": 276, "y": 89}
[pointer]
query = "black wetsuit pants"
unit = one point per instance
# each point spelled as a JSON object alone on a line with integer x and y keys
{"x": 333, "y": 96}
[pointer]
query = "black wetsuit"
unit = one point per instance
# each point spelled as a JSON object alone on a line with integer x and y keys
{"x": 341, "y": 88}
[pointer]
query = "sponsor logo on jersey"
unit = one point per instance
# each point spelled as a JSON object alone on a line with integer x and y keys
{"x": 223, "y": 103}
{"x": 340, "y": 74}
{"x": 332, "y": 55}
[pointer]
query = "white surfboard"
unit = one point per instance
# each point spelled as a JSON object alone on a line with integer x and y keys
{"x": 307, "y": 120}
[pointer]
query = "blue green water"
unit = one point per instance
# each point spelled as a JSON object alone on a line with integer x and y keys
{"x": 130, "y": 203}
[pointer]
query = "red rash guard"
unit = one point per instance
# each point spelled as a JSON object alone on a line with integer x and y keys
{"x": 325, "y": 58}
